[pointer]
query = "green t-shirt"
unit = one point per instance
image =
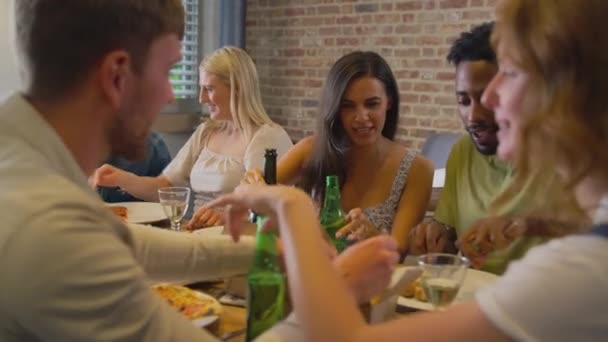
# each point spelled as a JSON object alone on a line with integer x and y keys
{"x": 472, "y": 182}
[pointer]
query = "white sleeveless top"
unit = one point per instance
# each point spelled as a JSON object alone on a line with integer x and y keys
{"x": 210, "y": 173}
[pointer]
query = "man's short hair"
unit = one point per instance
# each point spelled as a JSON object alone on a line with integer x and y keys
{"x": 59, "y": 41}
{"x": 473, "y": 45}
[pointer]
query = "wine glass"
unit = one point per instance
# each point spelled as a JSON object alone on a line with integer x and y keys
{"x": 174, "y": 201}
{"x": 442, "y": 277}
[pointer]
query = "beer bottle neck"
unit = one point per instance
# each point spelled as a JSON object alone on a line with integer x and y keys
{"x": 266, "y": 257}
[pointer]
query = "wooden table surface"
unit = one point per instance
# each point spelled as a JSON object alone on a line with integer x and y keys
{"x": 232, "y": 318}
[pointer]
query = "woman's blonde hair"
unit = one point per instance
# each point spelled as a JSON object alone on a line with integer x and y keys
{"x": 559, "y": 44}
{"x": 234, "y": 67}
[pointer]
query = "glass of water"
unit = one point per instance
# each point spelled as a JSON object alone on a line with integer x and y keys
{"x": 442, "y": 276}
{"x": 174, "y": 201}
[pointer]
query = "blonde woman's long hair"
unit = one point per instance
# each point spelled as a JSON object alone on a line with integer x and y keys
{"x": 234, "y": 67}
{"x": 559, "y": 43}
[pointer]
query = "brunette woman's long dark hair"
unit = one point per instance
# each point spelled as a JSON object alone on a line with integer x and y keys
{"x": 331, "y": 143}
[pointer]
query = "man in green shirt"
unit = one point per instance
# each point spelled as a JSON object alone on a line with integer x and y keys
{"x": 474, "y": 175}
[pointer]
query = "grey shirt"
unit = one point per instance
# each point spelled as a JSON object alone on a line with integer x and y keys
{"x": 70, "y": 270}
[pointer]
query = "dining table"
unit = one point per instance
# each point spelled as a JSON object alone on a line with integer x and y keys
{"x": 232, "y": 323}
{"x": 232, "y": 320}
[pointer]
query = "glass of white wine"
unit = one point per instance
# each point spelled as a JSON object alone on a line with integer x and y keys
{"x": 442, "y": 276}
{"x": 174, "y": 201}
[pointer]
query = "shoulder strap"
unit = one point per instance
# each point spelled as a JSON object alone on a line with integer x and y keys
{"x": 400, "y": 178}
{"x": 601, "y": 230}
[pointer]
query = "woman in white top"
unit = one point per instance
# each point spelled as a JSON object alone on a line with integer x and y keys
{"x": 550, "y": 101}
{"x": 223, "y": 148}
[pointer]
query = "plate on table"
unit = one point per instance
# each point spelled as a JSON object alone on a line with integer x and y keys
{"x": 141, "y": 212}
{"x": 215, "y": 230}
{"x": 200, "y": 308}
{"x": 474, "y": 281}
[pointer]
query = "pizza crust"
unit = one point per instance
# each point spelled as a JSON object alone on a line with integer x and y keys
{"x": 192, "y": 304}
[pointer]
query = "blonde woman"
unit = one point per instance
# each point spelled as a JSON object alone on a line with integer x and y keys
{"x": 552, "y": 110}
{"x": 223, "y": 148}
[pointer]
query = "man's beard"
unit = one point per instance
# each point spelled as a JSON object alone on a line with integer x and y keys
{"x": 476, "y": 130}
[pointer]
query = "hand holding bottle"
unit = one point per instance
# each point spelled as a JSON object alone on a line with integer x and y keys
{"x": 266, "y": 200}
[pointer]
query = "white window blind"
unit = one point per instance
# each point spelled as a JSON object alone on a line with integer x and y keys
{"x": 184, "y": 75}
{"x": 205, "y": 21}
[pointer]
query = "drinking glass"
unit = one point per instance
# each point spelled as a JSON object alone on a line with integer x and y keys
{"x": 442, "y": 276}
{"x": 174, "y": 201}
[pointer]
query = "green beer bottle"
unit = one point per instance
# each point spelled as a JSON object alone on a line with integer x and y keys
{"x": 332, "y": 215}
{"x": 270, "y": 174}
{"x": 266, "y": 284}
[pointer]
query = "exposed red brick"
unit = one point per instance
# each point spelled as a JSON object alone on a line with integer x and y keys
{"x": 323, "y": 10}
{"x": 428, "y": 40}
{"x": 445, "y": 100}
{"x": 330, "y": 31}
{"x": 295, "y": 11}
{"x": 445, "y": 76}
{"x": 448, "y": 124}
{"x": 362, "y": 8}
{"x": 347, "y": 41}
{"x": 347, "y": 9}
{"x": 411, "y": 98}
{"x": 411, "y": 29}
{"x": 348, "y": 20}
{"x": 293, "y": 52}
{"x": 427, "y": 87}
{"x": 408, "y": 5}
{"x": 366, "y": 30}
{"x": 428, "y": 63}
{"x": 312, "y": 21}
{"x": 387, "y": 18}
{"x": 312, "y": 83}
{"x": 386, "y": 7}
{"x": 408, "y": 17}
{"x": 452, "y": 4}
{"x": 294, "y": 43}
{"x": 386, "y": 41}
{"x": 405, "y": 74}
{"x": 411, "y": 52}
{"x": 477, "y": 15}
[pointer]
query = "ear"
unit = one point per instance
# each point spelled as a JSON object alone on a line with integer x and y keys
{"x": 113, "y": 74}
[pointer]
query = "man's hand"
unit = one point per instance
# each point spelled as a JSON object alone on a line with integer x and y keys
{"x": 431, "y": 237}
{"x": 367, "y": 267}
{"x": 109, "y": 176}
{"x": 489, "y": 235}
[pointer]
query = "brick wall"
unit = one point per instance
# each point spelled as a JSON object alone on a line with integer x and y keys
{"x": 294, "y": 42}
